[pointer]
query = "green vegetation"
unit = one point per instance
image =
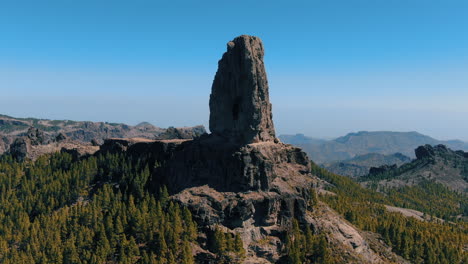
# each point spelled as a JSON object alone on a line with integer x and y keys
{"x": 431, "y": 198}
{"x": 416, "y": 241}
{"x": 58, "y": 211}
{"x": 8, "y": 128}
{"x": 303, "y": 247}
{"x": 227, "y": 247}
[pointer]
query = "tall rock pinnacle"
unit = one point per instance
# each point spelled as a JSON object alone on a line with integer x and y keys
{"x": 239, "y": 102}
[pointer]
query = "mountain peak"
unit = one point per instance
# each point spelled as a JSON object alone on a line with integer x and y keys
{"x": 240, "y": 107}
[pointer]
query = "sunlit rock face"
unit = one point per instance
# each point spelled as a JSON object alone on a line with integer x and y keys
{"x": 240, "y": 107}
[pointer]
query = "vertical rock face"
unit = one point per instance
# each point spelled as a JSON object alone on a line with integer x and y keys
{"x": 239, "y": 178}
{"x": 240, "y": 108}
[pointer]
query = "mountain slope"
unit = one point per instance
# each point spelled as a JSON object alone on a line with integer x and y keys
{"x": 439, "y": 164}
{"x": 415, "y": 239}
{"x": 382, "y": 142}
{"x": 360, "y": 165}
{"x": 85, "y": 131}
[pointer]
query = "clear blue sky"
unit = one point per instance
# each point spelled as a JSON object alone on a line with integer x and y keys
{"x": 334, "y": 66}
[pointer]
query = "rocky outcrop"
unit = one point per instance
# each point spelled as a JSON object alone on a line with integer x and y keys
{"x": 20, "y": 148}
{"x": 36, "y": 143}
{"x": 60, "y": 137}
{"x": 429, "y": 152}
{"x": 228, "y": 167}
{"x": 182, "y": 133}
{"x": 36, "y": 136}
{"x": 433, "y": 163}
{"x": 240, "y": 108}
{"x": 44, "y": 131}
{"x": 373, "y": 171}
{"x": 361, "y": 143}
{"x": 239, "y": 178}
{"x": 362, "y": 164}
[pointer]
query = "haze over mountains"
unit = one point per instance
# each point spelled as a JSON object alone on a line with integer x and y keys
{"x": 360, "y": 165}
{"x": 364, "y": 142}
{"x": 238, "y": 195}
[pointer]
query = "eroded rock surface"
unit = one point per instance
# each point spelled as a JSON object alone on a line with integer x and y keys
{"x": 433, "y": 163}
{"x": 240, "y": 108}
{"x": 36, "y": 143}
{"x": 240, "y": 178}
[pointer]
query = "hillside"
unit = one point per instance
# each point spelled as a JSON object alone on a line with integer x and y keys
{"x": 364, "y": 142}
{"x": 438, "y": 164}
{"x": 360, "y": 165}
{"x": 85, "y": 131}
{"x": 235, "y": 196}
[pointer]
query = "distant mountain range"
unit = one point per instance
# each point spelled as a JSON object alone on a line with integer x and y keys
{"x": 360, "y": 165}
{"x": 364, "y": 142}
{"x": 12, "y": 128}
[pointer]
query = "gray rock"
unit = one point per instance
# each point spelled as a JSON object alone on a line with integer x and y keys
{"x": 20, "y": 148}
{"x": 36, "y": 136}
{"x": 240, "y": 108}
{"x": 60, "y": 137}
{"x": 239, "y": 177}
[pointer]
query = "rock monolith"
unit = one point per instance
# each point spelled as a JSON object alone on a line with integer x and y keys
{"x": 240, "y": 107}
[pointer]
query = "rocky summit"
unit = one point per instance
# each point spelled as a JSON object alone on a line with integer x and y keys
{"x": 240, "y": 108}
{"x": 240, "y": 178}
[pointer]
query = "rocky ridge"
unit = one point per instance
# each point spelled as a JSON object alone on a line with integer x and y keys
{"x": 36, "y": 143}
{"x": 364, "y": 142}
{"x": 241, "y": 178}
{"x": 360, "y": 165}
{"x": 29, "y": 137}
{"x": 433, "y": 163}
{"x": 84, "y": 131}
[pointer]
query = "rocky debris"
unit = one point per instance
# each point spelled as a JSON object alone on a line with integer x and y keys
{"x": 240, "y": 108}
